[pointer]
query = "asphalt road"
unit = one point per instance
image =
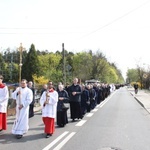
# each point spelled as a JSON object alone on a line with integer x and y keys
{"x": 118, "y": 123}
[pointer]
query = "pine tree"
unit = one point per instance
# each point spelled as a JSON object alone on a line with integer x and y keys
{"x": 2, "y": 65}
{"x": 31, "y": 65}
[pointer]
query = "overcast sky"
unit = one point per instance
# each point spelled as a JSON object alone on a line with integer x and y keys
{"x": 118, "y": 28}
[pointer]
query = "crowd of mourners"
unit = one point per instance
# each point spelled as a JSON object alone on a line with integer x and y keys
{"x": 80, "y": 99}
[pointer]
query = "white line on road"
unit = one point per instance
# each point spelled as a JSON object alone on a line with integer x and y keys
{"x": 81, "y": 123}
{"x": 104, "y": 103}
{"x": 95, "y": 109}
{"x": 55, "y": 141}
{"x": 89, "y": 115}
{"x": 64, "y": 141}
{"x": 97, "y": 105}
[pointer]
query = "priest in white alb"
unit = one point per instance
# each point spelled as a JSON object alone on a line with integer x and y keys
{"x": 23, "y": 96}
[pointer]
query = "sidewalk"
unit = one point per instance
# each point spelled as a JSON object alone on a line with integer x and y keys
{"x": 143, "y": 97}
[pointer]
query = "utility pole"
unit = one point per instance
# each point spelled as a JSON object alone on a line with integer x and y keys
{"x": 64, "y": 65}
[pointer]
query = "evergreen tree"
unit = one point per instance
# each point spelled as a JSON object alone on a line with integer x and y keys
{"x": 2, "y": 65}
{"x": 31, "y": 65}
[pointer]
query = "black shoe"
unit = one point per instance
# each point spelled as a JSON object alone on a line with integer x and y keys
{"x": 1, "y": 130}
{"x": 48, "y": 135}
{"x": 61, "y": 125}
{"x": 18, "y": 136}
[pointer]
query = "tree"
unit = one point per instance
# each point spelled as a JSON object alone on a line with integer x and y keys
{"x": 82, "y": 65}
{"x": 100, "y": 67}
{"x": 31, "y": 65}
{"x": 49, "y": 66}
{"x": 2, "y": 65}
{"x": 132, "y": 75}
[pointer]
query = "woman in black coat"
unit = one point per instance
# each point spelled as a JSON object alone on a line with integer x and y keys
{"x": 63, "y": 97}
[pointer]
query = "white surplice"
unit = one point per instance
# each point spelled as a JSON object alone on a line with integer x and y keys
{"x": 21, "y": 124}
{"x": 4, "y": 99}
{"x": 50, "y": 109}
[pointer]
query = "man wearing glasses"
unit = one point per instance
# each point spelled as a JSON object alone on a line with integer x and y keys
{"x": 23, "y": 96}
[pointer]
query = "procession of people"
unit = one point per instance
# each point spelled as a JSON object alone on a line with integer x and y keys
{"x": 55, "y": 102}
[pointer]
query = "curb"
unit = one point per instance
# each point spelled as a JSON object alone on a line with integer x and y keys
{"x": 137, "y": 99}
{"x": 139, "y": 102}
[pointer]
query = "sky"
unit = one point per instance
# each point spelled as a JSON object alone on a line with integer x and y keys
{"x": 120, "y": 29}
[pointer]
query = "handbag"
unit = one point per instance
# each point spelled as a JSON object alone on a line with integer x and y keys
{"x": 64, "y": 107}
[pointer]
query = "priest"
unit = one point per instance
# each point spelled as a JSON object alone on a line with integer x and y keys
{"x": 23, "y": 96}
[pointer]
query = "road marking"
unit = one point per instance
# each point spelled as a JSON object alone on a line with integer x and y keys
{"x": 56, "y": 140}
{"x": 108, "y": 98}
{"x": 97, "y": 105}
{"x": 89, "y": 115}
{"x": 95, "y": 109}
{"x": 64, "y": 141}
{"x": 81, "y": 123}
{"x": 104, "y": 103}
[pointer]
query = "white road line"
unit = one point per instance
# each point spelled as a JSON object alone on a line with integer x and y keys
{"x": 64, "y": 141}
{"x": 89, "y": 115}
{"x": 55, "y": 141}
{"x": 81, "y": 123}
{"x": 95, "y": 109}
{"x": 97, "y": 105}
{"x": 104, "y": 103}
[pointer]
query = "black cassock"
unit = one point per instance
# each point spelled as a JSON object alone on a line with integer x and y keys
{"x": 62, "y": 118}
{"x": 31, "y": 106}
{"x": 75, "y": 102}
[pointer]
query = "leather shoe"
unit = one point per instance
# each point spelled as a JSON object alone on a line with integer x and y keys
{"x": 48, "y": 135}
{"x": 18, "y": 136}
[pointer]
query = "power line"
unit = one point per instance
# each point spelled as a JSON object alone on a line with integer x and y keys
{"x": 42, "y": 33}
{"x": 115, "y": 20}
